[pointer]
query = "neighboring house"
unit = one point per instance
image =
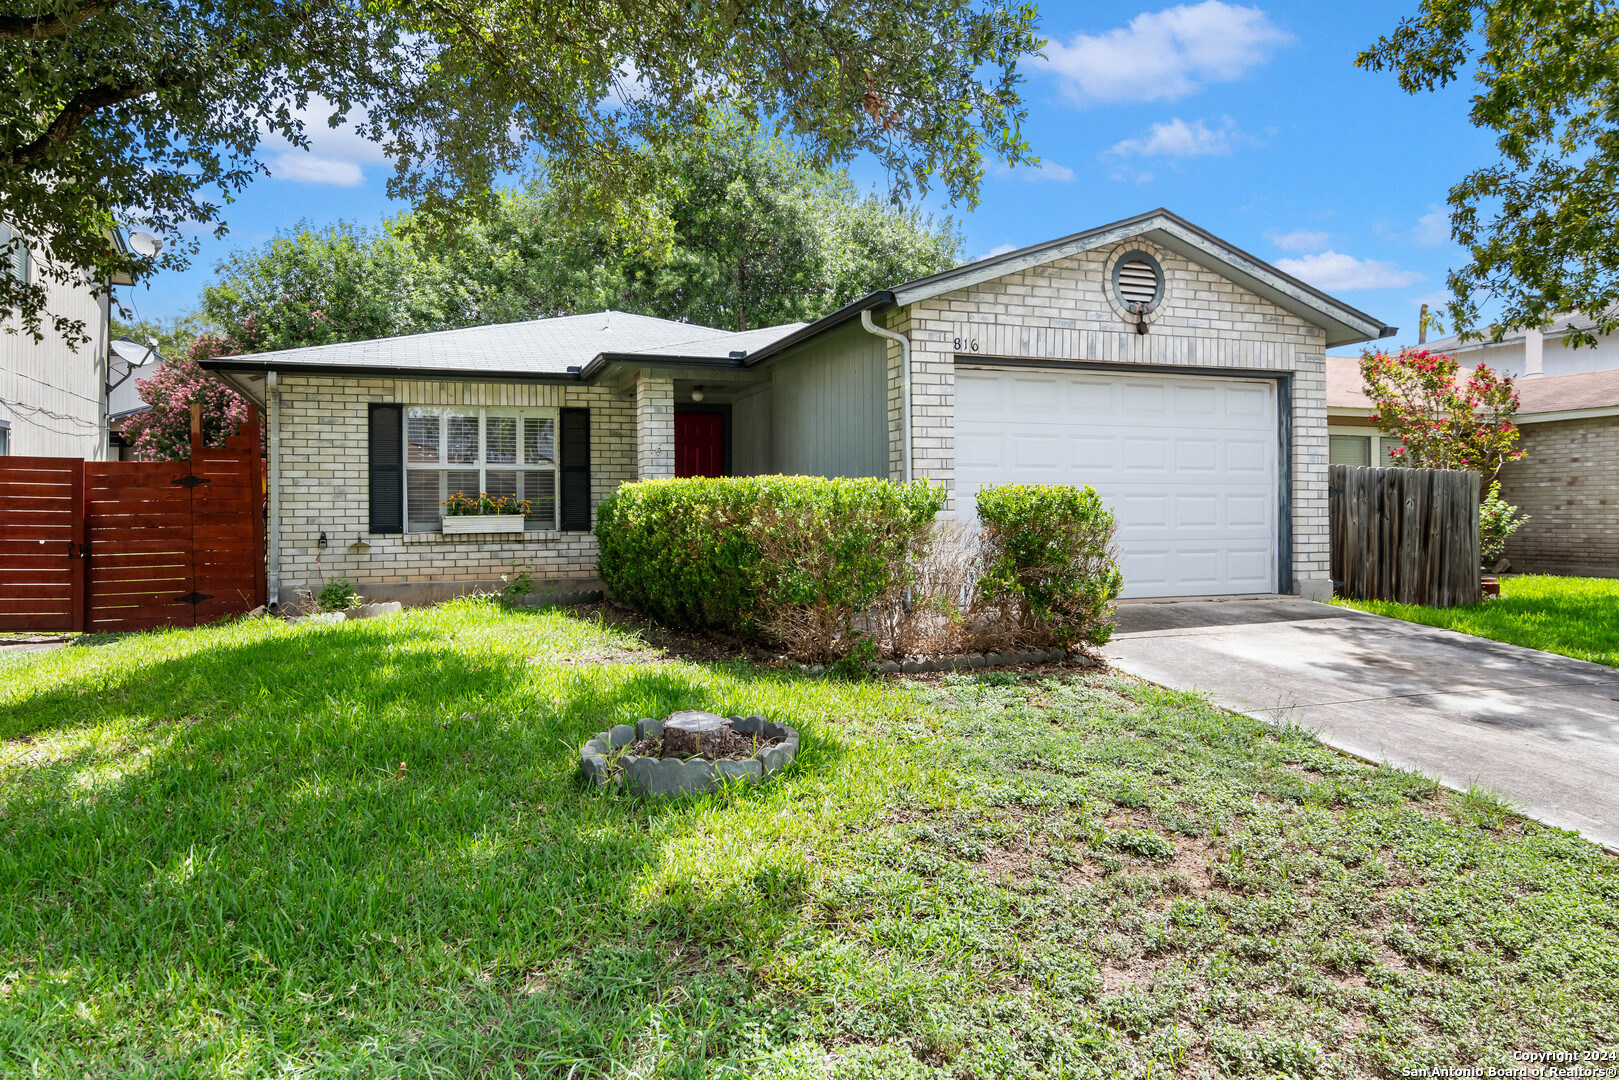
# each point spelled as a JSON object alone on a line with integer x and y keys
{"x": 1180, "y": 376}
{"x": 53, "y": 399}
{"x": 1567, "y": 481}
{"x": 1535, "y": 352}
{"x": 129, "y": 362}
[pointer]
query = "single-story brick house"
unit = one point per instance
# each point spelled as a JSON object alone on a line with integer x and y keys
{"x": 1568, "y": 479}
{"x": 1180, "y": 376}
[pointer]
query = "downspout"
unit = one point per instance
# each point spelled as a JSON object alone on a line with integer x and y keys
{"x": 905, "y": 379}
{"x": 272, "y": 547}
{"x": 104, "y": 376}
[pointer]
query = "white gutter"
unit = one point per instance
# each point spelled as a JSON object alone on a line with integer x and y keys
{"x": 905, "y": 379}
{"x": 272, "y": 547}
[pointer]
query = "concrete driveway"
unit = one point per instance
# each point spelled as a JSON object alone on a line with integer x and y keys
{"x": 1540, "y": 729}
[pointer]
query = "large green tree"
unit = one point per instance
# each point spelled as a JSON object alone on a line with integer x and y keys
{"x": 1539, "y": 224}
{"x": 149, "y": 113}
{"x": 759, "y": 236}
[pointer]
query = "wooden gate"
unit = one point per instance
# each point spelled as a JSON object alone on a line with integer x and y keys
{"x": 41, "y": 543}
{"x": 132, "y": 545}
{"x": 1409, "y": 535}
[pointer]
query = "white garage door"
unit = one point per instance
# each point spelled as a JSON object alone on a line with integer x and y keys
{"x": 1188, "y": 464}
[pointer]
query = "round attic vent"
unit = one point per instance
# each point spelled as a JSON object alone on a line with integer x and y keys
{"x": 1138, "y": 281}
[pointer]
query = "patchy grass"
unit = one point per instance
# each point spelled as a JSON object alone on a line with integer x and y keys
{"x": 1576, "y": 617}
{"x": 215, "y": 864}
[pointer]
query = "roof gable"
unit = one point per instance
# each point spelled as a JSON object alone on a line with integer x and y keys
{"x": 1343, "y": 324}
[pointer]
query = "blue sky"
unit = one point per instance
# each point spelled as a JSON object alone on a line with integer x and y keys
{"x": 1250, "y": 120}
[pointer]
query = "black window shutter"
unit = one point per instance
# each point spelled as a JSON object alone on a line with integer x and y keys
{"x": 387, "y": 469}
{"x": 573, "y": 461}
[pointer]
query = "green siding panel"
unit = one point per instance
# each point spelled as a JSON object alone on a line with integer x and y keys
{"x": 830, "y": 407}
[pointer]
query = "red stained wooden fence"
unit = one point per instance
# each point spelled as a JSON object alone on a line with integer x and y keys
{"x": 133, "y": 545}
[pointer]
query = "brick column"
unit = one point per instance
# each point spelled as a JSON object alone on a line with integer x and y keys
{"x": 654, "y": 426}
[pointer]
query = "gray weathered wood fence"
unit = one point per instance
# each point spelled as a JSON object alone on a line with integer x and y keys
{"x": 1409, "y": 535}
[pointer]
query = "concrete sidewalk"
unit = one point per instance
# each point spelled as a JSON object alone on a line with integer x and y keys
{"x": 1540, "y": 729}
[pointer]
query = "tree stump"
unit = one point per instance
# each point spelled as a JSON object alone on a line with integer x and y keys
{"x": 693, "y": 734}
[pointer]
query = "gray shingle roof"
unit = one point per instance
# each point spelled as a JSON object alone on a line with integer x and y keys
{"x": 536, "y": 347}
{"x": 1537, "y": 394}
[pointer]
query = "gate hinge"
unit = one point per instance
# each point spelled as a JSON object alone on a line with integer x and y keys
{"x": 1334, "y": 490}
{"x": 191, "y": 480}
{"x": 193, "y": 597}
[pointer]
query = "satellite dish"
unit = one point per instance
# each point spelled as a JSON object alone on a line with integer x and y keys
{"x": 145, "y": 244}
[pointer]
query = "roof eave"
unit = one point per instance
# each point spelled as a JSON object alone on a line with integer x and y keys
{"x": 603, "y": 362}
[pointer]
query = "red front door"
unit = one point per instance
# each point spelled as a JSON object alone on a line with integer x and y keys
{"x": 699, "y": 444}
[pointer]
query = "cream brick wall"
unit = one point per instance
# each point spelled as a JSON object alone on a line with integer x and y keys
{"x": 324, "y": 487}
{"x": 655, "y": 426}
{"x": 1063, "y": 311}
{"x": 1568, "y": 484}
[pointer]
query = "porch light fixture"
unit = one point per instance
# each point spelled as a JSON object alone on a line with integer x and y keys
{"x": 697, "y": 393}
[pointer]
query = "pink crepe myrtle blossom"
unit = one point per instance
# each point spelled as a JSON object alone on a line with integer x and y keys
{"x": 163, "y": 431}
{"x": 1443, "y": 421}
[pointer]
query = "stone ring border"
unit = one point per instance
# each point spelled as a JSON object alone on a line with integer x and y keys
{"x": 652, "y": 777}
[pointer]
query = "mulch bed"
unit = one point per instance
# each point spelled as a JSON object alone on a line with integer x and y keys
{"x": 734, "y": 746}
{"x": 693, "y": 645}
{"x": 707, "y": 647}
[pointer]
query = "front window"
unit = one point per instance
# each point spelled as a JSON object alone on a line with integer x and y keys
{"x": 1349, "y": 450}
{"x": 479, "y": 451}
{"x": 13, "y": 254}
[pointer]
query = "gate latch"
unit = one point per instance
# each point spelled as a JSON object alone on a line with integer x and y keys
{"x": 191, "y": 480}
{"x": 193, "y": 597}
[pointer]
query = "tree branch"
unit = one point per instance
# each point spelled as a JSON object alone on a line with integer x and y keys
{"x": 76, "y": 111}
{"x": 23, "y": 28}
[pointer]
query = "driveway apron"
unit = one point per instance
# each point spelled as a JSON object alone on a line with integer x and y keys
{"x": 1539, "y": 729}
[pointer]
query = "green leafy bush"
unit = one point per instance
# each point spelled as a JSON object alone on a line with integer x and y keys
{"x": 1496, "y": 524}
{"x": 337, "y": 595}
{"x": 790, "y": 558}
{"x": 1048, "y": 560}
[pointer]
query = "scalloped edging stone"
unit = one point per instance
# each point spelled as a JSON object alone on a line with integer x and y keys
{"x": 652, "y": 777}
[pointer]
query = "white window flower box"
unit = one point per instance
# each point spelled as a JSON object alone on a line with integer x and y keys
{"x": 482, "y": 523}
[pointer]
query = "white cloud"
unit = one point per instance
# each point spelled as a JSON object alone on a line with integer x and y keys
{"x": 1000, "y": 249}
{"x": 627, "y": 88}
{"x": 1177, "y": 138}
{"x": 1045, "y": 172}
{"x": 1165, "y": 55}
{"x": 1336, "y": 272}
{"x": 302, "y": 168}
{"x": 1432, "y": 228}
{"x": 1300, "y": 240}
{"x": 335, "y": 155}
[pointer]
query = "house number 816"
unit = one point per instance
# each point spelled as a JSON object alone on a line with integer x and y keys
{"x": 966, "y": 344}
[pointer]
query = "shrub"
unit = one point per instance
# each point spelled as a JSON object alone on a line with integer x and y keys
{"x": 337, "y": 595}
{"x": 1496, "y": 524}
{"x": 830, "y": 568}
{"x": 1048, "y": 560}
{"x": 792, "y": 558}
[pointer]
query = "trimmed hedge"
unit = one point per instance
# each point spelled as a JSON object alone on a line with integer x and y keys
{"x": 832, "y": 567}
{"x": 733, "y": 553}
{"x": 1048, "y": 550}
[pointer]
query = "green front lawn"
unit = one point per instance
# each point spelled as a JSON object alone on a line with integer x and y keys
{"x": 1577, "y": 617}
{"x": 262, "y": 850}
